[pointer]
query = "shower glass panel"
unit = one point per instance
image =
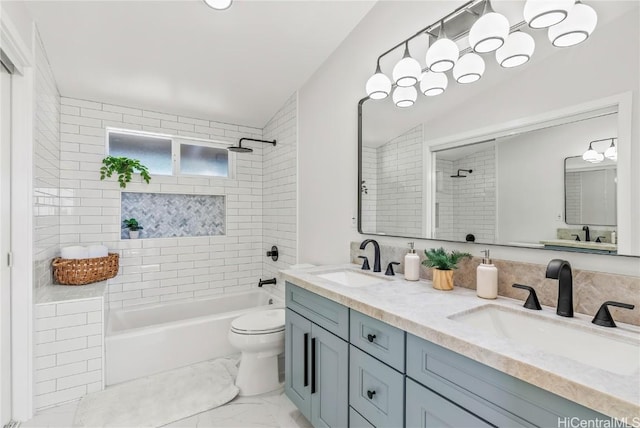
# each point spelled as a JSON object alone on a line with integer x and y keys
{"x": 153, "y": 152}
{"x": 203, "y": 160}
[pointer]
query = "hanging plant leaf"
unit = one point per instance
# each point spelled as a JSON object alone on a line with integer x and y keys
{"x": 125, "y": 168}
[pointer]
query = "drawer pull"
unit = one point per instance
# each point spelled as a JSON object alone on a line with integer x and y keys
{"x": 371, "y": 337}
{"x": 370, "y": 394}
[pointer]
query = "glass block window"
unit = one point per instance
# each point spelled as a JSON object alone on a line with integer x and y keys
{"x": 168, "y": 155}
{"x": 203, "y": 160}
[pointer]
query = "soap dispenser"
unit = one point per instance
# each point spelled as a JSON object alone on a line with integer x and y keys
{"x": 487, "y": 278}
{"x": 411, "y": 264}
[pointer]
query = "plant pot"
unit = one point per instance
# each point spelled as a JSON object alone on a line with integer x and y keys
{"x": 443, "y": 279}
{"x": 134, "y": 234}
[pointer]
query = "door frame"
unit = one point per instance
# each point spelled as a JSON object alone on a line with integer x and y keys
{"x": 22, "y": 302}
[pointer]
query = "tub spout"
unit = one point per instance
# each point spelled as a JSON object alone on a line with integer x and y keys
{"x": 266, "y": 282}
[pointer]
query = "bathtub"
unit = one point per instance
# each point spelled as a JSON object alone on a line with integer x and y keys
{"x": 148, "y": 339}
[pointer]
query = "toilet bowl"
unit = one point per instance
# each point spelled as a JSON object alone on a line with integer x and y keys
{"x": 260, "y": 338}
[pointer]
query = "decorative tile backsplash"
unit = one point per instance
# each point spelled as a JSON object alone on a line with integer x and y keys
{"x": 165, "y": 215}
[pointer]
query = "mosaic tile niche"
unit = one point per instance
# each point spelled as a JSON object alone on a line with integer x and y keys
{"x": 165, "y": 215}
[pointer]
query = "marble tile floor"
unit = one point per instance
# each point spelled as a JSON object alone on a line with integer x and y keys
{"x": 271, "y": 410}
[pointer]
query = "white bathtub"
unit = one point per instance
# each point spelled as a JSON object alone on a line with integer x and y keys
{"x": 143, "y": 340}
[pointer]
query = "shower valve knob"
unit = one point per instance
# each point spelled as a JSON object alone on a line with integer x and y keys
{"x": 273, "y": 253}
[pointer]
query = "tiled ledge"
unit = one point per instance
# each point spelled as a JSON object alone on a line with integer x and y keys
{"x": 62, "y": 293}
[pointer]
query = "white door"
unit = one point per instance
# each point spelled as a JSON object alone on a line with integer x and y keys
{"x": 5, "y": 246}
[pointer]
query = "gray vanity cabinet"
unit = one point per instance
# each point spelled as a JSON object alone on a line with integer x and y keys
{"x": 344, "y": 368}
{"x": 316, "y": 359}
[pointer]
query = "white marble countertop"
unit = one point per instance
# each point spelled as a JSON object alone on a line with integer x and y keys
{"x": 61, "y": 293}
{"x": 423, "y": 311}
{"x": 587, "y": 245}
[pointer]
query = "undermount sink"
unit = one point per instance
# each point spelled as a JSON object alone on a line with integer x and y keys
{"x": 601, "y": 349}
{"x": 351, "y": 278}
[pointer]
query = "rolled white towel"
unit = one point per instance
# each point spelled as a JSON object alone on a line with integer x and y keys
{"x": 98, "y": 251}
{"x": 74, "y": 252}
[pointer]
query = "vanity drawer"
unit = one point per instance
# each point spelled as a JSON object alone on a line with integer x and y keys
{"x": 471, "y": 385}
{"x": 426, "y": 409}
{"x": 357, "y": 421}
{"x": 376, "y": 390}
{"x": 327, "y": 314}
{"x": 377, "y": 338}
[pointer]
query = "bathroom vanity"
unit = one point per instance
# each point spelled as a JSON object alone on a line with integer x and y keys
{"x": 397, "y": 353}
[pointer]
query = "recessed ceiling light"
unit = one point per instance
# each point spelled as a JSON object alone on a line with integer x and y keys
{"x": 219, "y": 4}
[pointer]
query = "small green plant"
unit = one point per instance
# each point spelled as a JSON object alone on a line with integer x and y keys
{"x": 440, "y": 259}
{"x": 132, "y": 224}
{"x": 124, "y": 167}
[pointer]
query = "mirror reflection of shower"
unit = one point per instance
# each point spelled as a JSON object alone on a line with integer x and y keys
{"x": 462, "y": 176}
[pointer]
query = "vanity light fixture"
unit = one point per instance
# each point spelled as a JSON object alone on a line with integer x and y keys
{"x": 405, "y": 96}
{"x": 570, "y": 22}
{"x": 378, "y": 85}
{"x": 469, "y": 69}
{"x": 407, "y": 71}
{"x": 517, "y": 50}
{"x": 577, "y": 28}
{"x": 545, "y": 13}
{"x": 611, "y": 152}
{"x": 489, "y": 32}
{"x": 433, "y": 84}
{"x": 594, "y": 156}
{"x": 219, "y": 4}
{"x": 591, "y": 155}
{"x": 443, "y": 54}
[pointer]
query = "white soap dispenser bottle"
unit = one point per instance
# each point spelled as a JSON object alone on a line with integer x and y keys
{"x": 411, "y": 264}
{"x": 487, "y": 278}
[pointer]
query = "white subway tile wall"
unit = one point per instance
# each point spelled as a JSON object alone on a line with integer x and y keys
{"x": 573, "y": 190}
{"x": 399, "y": 185}
{"x": 156, "y": 270}
{"x": 468, "y": 205}
{"x": 280, "y": 190}
{"x": 46, "y": 170}
{"x": 370, "y": 178}
{"x": 69, "y": 350}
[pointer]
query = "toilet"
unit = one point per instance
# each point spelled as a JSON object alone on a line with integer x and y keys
{"x": 260, "y": 338}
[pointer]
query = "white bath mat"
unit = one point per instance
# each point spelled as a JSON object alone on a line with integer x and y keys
{"x": 160, "y": 399}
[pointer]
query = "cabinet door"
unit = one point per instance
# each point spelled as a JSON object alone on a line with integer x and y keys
{"x": 297, "y": 354}
{"x": 426, "y": 409}
{"x": 329, "y": 379}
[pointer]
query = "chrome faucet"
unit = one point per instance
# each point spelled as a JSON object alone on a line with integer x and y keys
{"x": 376, "y": 256}
{"x": 561, "y": 270}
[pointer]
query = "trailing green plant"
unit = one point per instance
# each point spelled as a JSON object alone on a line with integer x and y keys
{"x": 132, "y": 224}
{"x": 124, "y": 167}
{"x": 440, "y": 259}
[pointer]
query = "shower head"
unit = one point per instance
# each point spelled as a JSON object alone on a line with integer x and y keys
{"x": 240, "y": 149}
{"x": 462, "y": 176}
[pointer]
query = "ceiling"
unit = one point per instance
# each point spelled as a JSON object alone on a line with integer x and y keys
{"x": 238, "y": 66}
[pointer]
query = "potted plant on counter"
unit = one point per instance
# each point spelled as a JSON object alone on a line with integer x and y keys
{"x": 133, "y": 226}
{"x": 443, "y": 264}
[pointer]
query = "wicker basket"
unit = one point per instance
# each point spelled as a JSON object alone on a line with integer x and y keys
{"x": 85, "y": 271}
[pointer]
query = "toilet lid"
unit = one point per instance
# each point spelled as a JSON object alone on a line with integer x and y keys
{"x": 268, "y": 321}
